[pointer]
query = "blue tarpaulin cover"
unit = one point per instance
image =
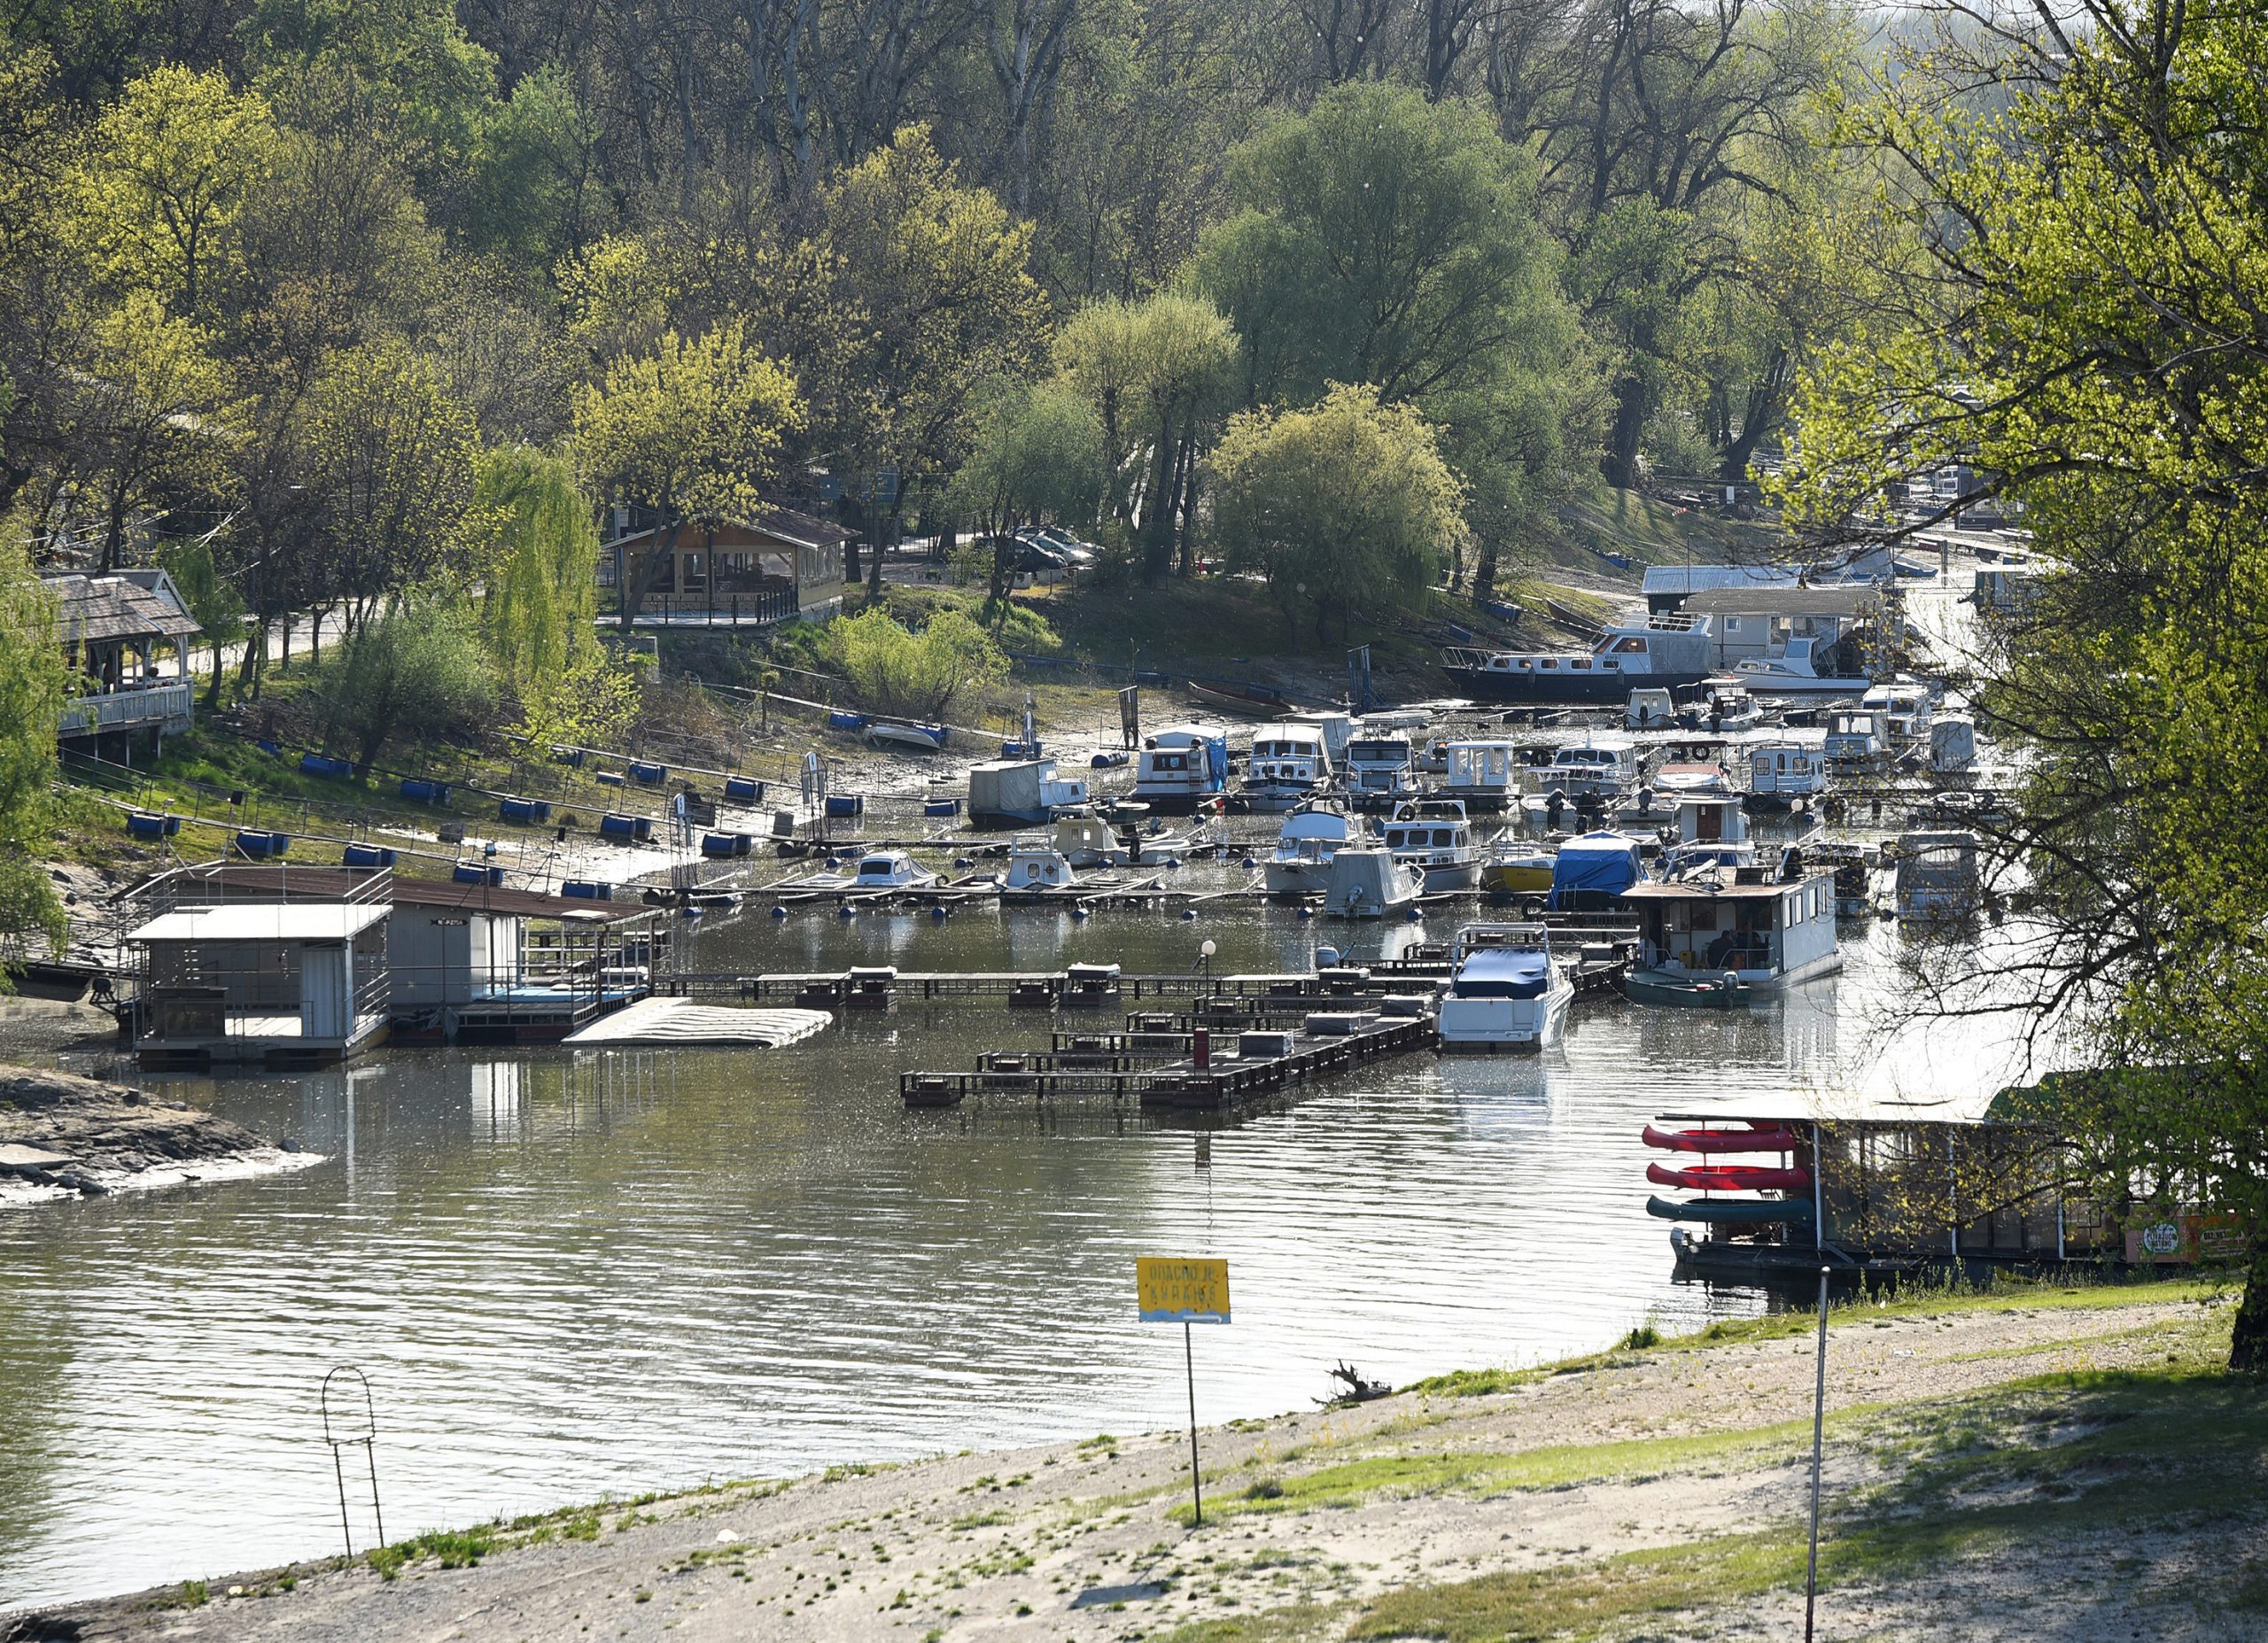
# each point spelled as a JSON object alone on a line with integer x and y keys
{"x": 1502, "y": 972}
{"x": 1604, "y": 862}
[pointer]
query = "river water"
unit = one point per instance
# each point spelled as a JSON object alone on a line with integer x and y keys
{"x": 567, "y": 1273}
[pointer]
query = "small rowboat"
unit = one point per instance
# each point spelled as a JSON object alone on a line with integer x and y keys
{"x": 912, "y": 737}
{"x": 1763, "y": 1138}
{"x": 1733, "y": 1211}
{"x": 1730, "y": 1178}
{"x": 1256, "y": 700}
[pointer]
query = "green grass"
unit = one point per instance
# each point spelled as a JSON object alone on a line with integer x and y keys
{"x": 1292, "y": 1623}
{"x": 450, "y": 1548}
{"x": 1492, "y": 1472}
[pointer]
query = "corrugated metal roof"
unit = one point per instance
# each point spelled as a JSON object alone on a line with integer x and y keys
{"x": 1786, "y": 601}
{"x": 263, "y": 921}
{"x": 245, "y": 882}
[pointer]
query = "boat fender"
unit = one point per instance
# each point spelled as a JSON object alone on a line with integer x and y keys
{"x": 1189, "y": 913}
{"x": 1173, "y": 861}
{"x": 846, "y": 912}
{"x": 778, "y": 911}
{"x": 1249, "y": 864}
{"x": 1307, "y": 912}
{"x": 1079, "y": 912}
{"x": 834, "y": 862}
{"x": 1415, "y": 915}
{"x": 937, "y": 915}
{"x": 1730, "y": 982}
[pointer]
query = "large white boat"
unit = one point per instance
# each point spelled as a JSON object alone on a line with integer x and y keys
{"x": 1780, "y": 772}
{"x": 1380, "y": 767}
{"x": 1182, "y": 768}
{"x": 1310, "y": 836}
{"x": 1289, "y": 761}
{"x": 1366, "y": 882}
{"x": 1726, "y": 934}
{"x": 1037, "y": 871}
{"x": 1602, "y": 768}
{"x": 1800, "y": 667}
{"x": 1904, "y": 710}
{"x": 1505, "y": 992}
{"x": 1671, "y": 650}
{"x": 1434, "y": 836}
{"x": 1090, "y": 841}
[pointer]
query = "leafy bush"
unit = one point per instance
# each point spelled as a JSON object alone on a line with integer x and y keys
{"x": 895, "y": 669}
{"x": 419, "y": 667}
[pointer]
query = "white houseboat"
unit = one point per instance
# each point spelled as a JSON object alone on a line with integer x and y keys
{"x": 1434, "y": 836}
{"x": 1482, "y": 775}
{"x": 1380, "y": 767}
{"x": 1903, "y": 710}
{"x": 1780, "y": 772}
{"x": 1036, "y": 870}
{"x": 1505, "y": 992}
{"x": 1937, "y": 876}
{"x": 1603, "y": 767}
{"x": 1289, "y": 763}
{"x": 1744, "y": 924}
{"x": 1855, "y": 737}
{"x": 1182, "y": 768}
{"x": 1670, "y": 651}
{"x": 1310, "y": 836}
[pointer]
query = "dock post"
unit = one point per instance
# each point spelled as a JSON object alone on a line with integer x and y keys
{"x": 1196, "y": 1491}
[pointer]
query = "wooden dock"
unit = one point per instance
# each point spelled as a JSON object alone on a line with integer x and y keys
{"x": 1133, "y": 1067}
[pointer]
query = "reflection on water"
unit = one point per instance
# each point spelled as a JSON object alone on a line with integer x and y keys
{"x": 567, "y": 1273}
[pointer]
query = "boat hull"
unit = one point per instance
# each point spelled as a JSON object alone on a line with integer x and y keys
{"x": 1514, "y": 1026}
{"x": 1734, "y": 1212}
{"x": 1447, "y": 878}
{"x": 1298, "y": 878}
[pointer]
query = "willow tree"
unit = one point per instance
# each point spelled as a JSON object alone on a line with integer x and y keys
{"x": 1346, "y": 504}
{"x": 34, "y": 682}
{"x": 539, "y": 553}
{"x": 2093, "y": 197}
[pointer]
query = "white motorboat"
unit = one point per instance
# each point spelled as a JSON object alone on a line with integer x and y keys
{"x": 1090, "y": 841}
{"x": 1505, "y": 992}
{"x": 892, "y": 870}
{"x": 1036, "y": 869}
{"x": 1855, "y": 737}
{"x": 1652, "y": 708}
{"x": 1600, "y": 768}
{"x": 909, "y": 738}
{"x": 1310, "y": 836}
{"x": 1669, "y": 650}
{"x": 1182, "y": 768}
{"x": 1483, "y": 775}
{"x": 1725, "y": 705}
{"x": 1434, "y": 836}
{"x": 1937, "y": 876}
{"x": 1289, "y": 761}
{"x": 1780, "y": 772}
{"x": 1366, "y": 882}
{"x": 1904, "y": 711}
{"x": 1795, "y": 670}
{"x": 1380, "y": 767}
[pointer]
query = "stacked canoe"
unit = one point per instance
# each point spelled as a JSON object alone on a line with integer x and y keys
{"x": 1705, "y": 1175}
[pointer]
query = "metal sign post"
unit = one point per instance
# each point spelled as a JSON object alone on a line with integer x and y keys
{"x": 1818, "y": 1430}
{"x": 1130, "y": 716}
{"x": 1184, "y": 1291}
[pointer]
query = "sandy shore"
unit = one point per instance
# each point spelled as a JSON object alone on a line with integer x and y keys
{"x": 63, "y": 1136}
{"x": 1637, "y": 1494}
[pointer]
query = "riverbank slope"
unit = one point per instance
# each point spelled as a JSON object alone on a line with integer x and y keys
{"x": 1978, "y": 1452}
{"x": 64, "y": 1137}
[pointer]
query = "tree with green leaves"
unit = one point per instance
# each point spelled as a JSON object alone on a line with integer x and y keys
{"x": 1385, "y": 239}
{"x": 1344, "y": 504}
{"x": 690, "y": 430}
{"x": 34, "y": 682}
{"x": 2086, "y": 332}
{"x": 419, "y": 668}
{"x": 909, "y": 672}
{"x": 1036, "y": 458}
{"x": 1159, "y": 374}
{"x": 537, "y": 553}
{"x": 213, "y": 598}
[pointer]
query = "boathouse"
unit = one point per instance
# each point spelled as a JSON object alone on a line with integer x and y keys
{"x": 469, "y": 963}
{"x": 302, "y": 983}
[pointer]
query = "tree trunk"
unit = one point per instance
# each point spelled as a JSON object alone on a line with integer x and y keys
{"x": 1632, "y": 402}
{"x": 2248, "y": 1335}
{"x": 1484, "y": 572}
{"x": 1157, "y": 510}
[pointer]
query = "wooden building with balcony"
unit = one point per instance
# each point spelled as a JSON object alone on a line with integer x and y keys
{"x": 774, "y": 566}
{"x": 127, "y": 638}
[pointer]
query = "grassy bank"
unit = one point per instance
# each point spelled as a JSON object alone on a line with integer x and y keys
{"x": 1978, "y": 1447}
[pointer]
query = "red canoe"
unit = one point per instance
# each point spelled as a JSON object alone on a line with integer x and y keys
{"x": 1730, "y": 1178}
{"x": 1767, "y": 1139}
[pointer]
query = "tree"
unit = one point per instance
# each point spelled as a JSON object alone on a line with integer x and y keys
{"x": 689, "y": 430}
{"x": 1159, "y": 373}
{"x": 538, "y": 553}
{"x": 1388, "y": 240}
{"x": 171, "y": 170}
{"x": 150, "y": 414}
{"x": 892, "y": 669}
{"x": 390, "y": 458}
{"x": 2086, "y": 334}
{"x": 213, "y": 598}
{"x": 418, "y": 667}
{"x": 1344, "y": 504}
{"x": 939, "y": 270}
{"x": 1036, "y": 456}
{"x": 33, "y": 683}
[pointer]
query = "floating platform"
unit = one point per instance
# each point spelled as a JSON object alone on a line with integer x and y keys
{"x": 681, "y": 1021}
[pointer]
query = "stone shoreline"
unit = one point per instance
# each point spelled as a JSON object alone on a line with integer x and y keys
{"x": 63, "y": 1136}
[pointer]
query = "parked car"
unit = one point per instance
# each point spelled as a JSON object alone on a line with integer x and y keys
{"x": 1069, "y": 550}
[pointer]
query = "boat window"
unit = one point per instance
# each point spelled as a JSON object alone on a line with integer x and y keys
{"x": 1393, "y": 837}
{"x": 1633, "y": 647}
{"x": 1444, "y": 835}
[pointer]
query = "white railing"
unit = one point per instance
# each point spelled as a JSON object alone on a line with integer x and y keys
{"x": 170, "y": 705}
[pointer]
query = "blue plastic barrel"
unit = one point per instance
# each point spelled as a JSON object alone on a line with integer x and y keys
{"x": 473, "y": 872}
{"x": 366, "y": 856}
{"x": 572, "y": 758}
{"x": 331, "y": 769}
{"x": 524, "y": 812}
{"x": 587, "y": 890}
{"x": 261, "y": 846}
{"x": 840, "y": 720}
{"x": 417, "y": 790}
{"x": 629, "y": 829}
{"x": 941, "y": 807}
{"x": 723, "y": 845}
{"x": 846, "y": 804}
{"x": 153, "y": 826}
{"x": 649, "y": 775}
{"x": 744, "y": 789}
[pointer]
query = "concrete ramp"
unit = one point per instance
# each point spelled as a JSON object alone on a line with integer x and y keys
{"x": 682, "y": 1021}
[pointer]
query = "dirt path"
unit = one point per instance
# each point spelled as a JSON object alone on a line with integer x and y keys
{"x": 1312, "y": 1517}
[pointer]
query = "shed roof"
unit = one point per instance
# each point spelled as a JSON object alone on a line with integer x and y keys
{"x": 106, "y": 607}
{"x": 264, "y": 921}
{"x": 783, "y": 525}
{"x": 245, "y": 882}
{"x": 1858, "y": 599}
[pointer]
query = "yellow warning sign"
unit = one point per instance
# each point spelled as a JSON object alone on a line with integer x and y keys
{"x": 1179, "y": 1290}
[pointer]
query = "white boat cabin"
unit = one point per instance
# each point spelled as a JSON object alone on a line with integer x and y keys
{"x": 1181, "y": 767}
{"x": 1434, "y": 836}
{"x": 1289, "y": 757}
{"x": 1903, "y": 711}
{"x": 1938, "y": 875}
{"x": 1650, "y": 710}
{"x": 1380, "y": 765}
{"x": 1603, "y": 766}
{"x": 1310, "y": 836}
{"x": 1481, "y": 773}
{"x": 1854, "y": 737}
{"x": 892, "y": 870}
{"x": 1769, "y": 933}
{"x": 1035, "y": 864}
{"x": 1786, "y": 769}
